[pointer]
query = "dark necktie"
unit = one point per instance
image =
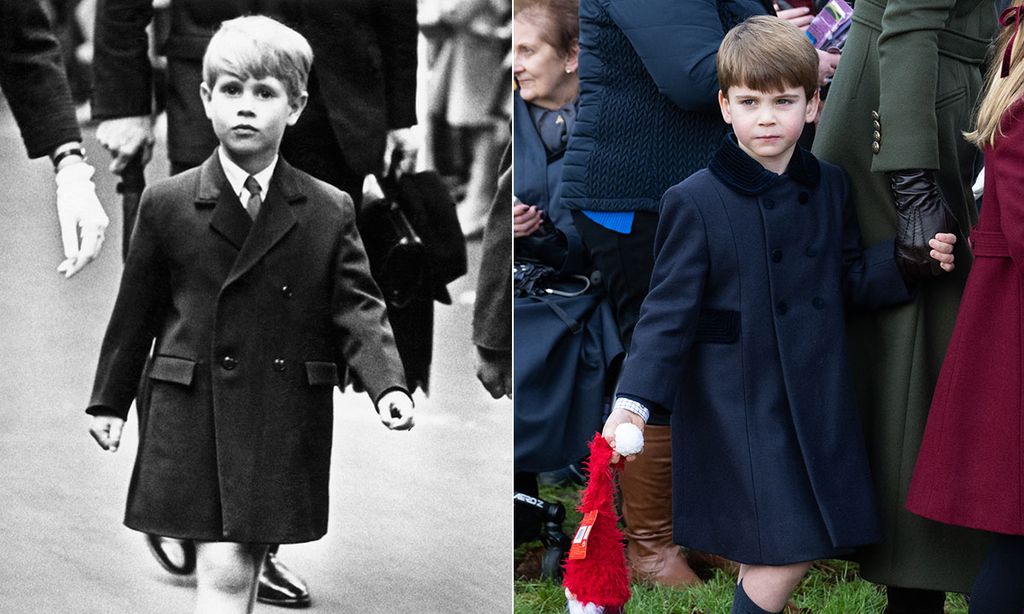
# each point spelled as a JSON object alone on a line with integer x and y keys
{"x": 253, "y": 187}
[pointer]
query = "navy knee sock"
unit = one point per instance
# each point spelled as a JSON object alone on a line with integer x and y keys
{"x": 742, "y": 604}
{"x": 999, "y": 587}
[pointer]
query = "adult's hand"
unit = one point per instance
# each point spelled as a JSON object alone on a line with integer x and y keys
{"x": 494, "y": 370}
{"x": 526, "y": 220}
{"x": 800, "y": 16}
{"x": 81, "y": 217}
{"x": 407, "y": 142}
{"x": 921, "y": 214}
{"x": 125, "y": 138}
{"x": 827, "y": 63}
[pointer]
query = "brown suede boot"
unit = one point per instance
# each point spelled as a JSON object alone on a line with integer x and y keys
{"x": 646, "y": 485}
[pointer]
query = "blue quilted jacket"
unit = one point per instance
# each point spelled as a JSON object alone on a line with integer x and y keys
{"x": 648, "y": 115}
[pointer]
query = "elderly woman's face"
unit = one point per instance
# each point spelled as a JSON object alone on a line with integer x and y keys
{"x": 546, "y": 78}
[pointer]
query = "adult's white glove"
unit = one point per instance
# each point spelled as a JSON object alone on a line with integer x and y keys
{"x": 81, "y": 217}
{"x": 406, "y": 141}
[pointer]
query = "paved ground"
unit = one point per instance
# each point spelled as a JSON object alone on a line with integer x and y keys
{"x": 420, "y": 522}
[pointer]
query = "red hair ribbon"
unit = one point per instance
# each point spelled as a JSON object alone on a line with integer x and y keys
{"x": 1010, "y": 17}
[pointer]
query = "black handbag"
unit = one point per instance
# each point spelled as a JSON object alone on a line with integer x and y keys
{"x": 412, "y": 237}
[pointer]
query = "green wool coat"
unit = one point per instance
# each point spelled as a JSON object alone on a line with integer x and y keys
{"x": 905, "y": 88}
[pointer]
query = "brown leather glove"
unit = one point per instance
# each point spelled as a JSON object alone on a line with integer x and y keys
{"x": 921, "y": 212}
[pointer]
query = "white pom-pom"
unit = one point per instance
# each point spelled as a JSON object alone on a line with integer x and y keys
{"x": 629, "y": 439}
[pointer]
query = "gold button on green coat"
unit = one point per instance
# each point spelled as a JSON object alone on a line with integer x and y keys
{"x": 921, "y": 71}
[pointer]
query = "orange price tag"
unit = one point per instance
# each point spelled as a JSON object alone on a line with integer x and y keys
{"x": 578, "y": 550}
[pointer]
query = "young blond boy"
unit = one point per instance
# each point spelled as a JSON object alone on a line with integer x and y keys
{"x": 742, "y": 334}
{"x": 251, "y": 278}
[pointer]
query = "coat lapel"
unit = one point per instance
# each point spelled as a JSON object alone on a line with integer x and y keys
{"x": 229, "y": 218}
{"x": 274, "y": 221}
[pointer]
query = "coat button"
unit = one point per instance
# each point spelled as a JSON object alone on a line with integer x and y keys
{"x": 874, "y": 116}
{"x": 875, "y": 147}
{"x": 278, "y": 364}
{"x": 803, "y": 197}
{"x": 818, "y": 302}
{"x": 876, "y": 135}
{"x": 781, "y": 308}
{"x": 769, "y": 203}
{"x": 811, "y": 251}
{"x": 228, "y": 363}
{"x": 286, "y": 291}
{"x": 776, "y": 255}
{"x": 877, "y": 125}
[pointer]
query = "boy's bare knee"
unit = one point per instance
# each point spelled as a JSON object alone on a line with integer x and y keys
{"x": 226, "y": 567}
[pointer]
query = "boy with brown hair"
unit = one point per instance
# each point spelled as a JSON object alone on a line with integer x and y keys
{"x": 251, "y": 278}
{"x": 742, "y": 333}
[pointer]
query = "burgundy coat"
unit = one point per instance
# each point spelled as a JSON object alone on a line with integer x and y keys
{"x": 969, "y": 470}
{"x": 250, "y": 322}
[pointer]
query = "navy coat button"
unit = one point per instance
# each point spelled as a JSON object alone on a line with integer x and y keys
{"x": 781, "y": 308}
{"x": 228, "y": 363}
{"x": 279, "y": 364}
{"x": 803, "y": 198}
{"x": 776, "y": 255}
{"x": 818, "y": 302}
{"x": 286, "y": 291}
{"x": 811, "y": 251}
{"x": 769, "y": 203}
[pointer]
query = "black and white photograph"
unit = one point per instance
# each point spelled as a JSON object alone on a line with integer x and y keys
{"x": 257, "y": 325}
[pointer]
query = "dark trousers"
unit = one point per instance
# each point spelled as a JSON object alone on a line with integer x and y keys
{"x": 913, "y": 601}
{"x": 625, "y": 262}
{"x": 999, "y": 587}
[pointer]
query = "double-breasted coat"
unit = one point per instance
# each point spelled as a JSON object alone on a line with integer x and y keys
{"x": 969, "y": 472}
{"x": 903, "y": 92}
{"x": 742, "y": 337}
{"x": 251, "y": 321}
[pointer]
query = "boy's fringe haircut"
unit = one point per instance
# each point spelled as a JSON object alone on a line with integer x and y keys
{"x": 767, "y": 54}
{"x": 258, "y": 47}
{"x": 1000, "y": 92}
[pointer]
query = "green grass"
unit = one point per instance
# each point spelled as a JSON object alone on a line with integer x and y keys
{"x": 831, "y": 587}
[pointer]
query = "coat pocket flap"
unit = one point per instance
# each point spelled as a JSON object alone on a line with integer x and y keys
{"x": 322, "y": 373}
{"x": 717, "y": 326}
{"x": 172, "y": 369}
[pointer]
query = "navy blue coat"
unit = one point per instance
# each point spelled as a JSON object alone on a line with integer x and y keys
{"x": 537, "y": 182}
{"x": 648, "y": 116}
{"x": 742, "y": 336}
{"x": 564, "y": 344}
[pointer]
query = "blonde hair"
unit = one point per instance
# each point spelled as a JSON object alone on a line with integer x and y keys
{"x": 258, "y": 47}
{"x": 1000, "y": 92}
{"x": 767, "y": 54}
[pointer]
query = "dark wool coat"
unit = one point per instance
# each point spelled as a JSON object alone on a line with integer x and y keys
{"x": 537, "y": 181}
{"x": 362, "y": 84}
{"x": 648, "y": 114}
{"x": 928, "y": 55}
{"x": 969, "y": 470}
{"x": 33, "y": 80}
{"x": 250, "y": 321}
{"x": 742, "y": 336}
{"x": 564, "y": 345}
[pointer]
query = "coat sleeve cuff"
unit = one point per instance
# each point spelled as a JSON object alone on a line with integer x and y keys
{"x": 103, "y": 410}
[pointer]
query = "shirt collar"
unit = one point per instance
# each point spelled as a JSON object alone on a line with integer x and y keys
{"x": 237, "y": 175}
{"x": 739, "y": 171}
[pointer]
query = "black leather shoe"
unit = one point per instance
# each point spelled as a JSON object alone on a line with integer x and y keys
{"x": 280, "y": 586}
{"x": 176, "y": 556}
